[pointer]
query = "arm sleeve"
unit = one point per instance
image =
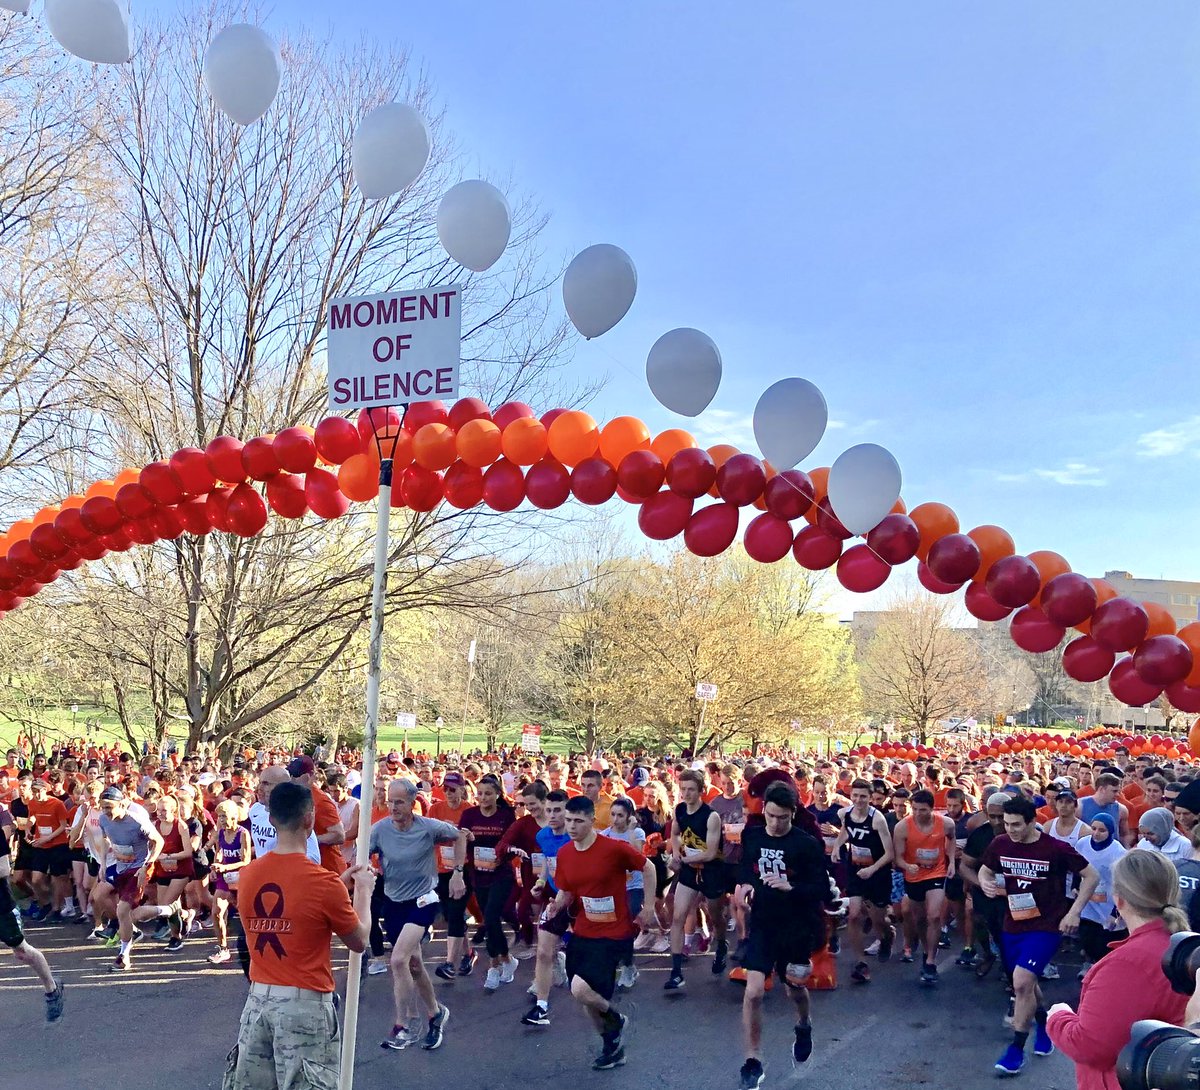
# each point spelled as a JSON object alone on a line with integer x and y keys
{"x": 1100, "y": 1028}
{"x": 505, "y": 844}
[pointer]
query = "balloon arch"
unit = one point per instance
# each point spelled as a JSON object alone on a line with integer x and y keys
{"x": 465, "y": 455}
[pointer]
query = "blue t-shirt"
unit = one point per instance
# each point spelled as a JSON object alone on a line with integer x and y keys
{"x": 549, "y": 842}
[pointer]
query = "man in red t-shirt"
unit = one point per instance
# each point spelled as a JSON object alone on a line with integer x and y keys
{"x": 327, "y": 823}
{"x": 50, "y": 858}
{"x": 590, "y": 875}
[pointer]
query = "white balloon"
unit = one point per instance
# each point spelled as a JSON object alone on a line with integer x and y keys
{"x": 94, "y": 30}
{"x": 789, "y": 420}
{"x": 241, "y": 72}
{"x": 21, "y": 7}
{"x": 864, "y": 484}
{"x": 684, "y": 371}
{"x": 598, "y": 288}
{"x": 391, "y": 148}
{"x": 474, "y": 223}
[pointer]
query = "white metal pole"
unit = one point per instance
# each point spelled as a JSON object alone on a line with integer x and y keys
{"x": 462, "y": 728}
{"x": 699, "y": 728}
{"x": 374, "y": 669}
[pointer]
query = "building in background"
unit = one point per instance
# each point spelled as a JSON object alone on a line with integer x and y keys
{"x": 1181, "y": 597}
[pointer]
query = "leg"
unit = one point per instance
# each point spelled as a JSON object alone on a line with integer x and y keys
{"x": 593, "y": 1002}
{"x": 493, "y": 900}
{"x": 221, "y": 918}
{"x": 405, "y": 949}
{"x": 910, "y": 914}
{"x": 752, "y": 1013}
{"x": 934, "y": 902}
{"x": 422, "y": 983}
{"x": 543, "y": 967}
{"x": 1025, "y": 990}
{"x": 376, "y": 914}
{"x": 685, "y": 899}
{"x": 36, "y": 960}
{"x": 854, "y": 928}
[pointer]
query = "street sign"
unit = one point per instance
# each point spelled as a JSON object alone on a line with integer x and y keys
{"x": 406, "y": 721}
{"x": 706, "y": 691}
{"x": 531, "y": 738}
{"x": 796, "y": 726}
{"x": 471, "y": 653}
{"x": 395, "y": 348}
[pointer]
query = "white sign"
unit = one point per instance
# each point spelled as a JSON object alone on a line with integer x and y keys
{"x": 471, "y": 652}
{"x": 706, "y": 690}
{"x": 796, "y": 726}
{"x": 406, "y": 721}
{"x": 394, "y": 349}
{"x": 531, "y": 738}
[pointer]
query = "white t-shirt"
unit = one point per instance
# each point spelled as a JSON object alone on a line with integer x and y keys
{"x": 635, "y": 837}
{"x": 262, "y": 835}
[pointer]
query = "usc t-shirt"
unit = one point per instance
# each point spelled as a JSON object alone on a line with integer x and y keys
{"x": 290, "y": 907}
{"x": 48, "y": 815}
{"x": 596, "y": 877}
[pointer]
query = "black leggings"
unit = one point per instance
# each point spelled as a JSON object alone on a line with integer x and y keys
{"x": 453, "y": 908}
{"x": 376, "y": 914}
{"x": 493, "y": 899}
{"x": 1094, "y": 939}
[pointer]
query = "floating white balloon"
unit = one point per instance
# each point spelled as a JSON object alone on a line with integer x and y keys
{"x": 864, "y": 485}
{"x": 789, "y": 420}
{"x": 94, "y": 30}
{"x": 473, "y": 223}
{"x": 391, "y": 148}
{"x": 241, "y": 72}
{"x": 684, "y": 371}
{"x": 598, "y": 288}
{"x": 21, "y": 7}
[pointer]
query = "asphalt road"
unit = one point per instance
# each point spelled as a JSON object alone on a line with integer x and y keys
{"x": 169, "y": 1024}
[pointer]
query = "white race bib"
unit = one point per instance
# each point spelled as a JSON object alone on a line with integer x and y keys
{"x": 1022, "y": 906}
{"x": 600, "y": 909}
{"x": 485, "y": 859}
{"x": 860, "y": 856}
{"x": 927, "y": 858}
{"x": 45, "y": 830}
{"x": 446, "y": 854}
{"x": 538, "y": 861}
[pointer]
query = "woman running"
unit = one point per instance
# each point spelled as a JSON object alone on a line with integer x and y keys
{"x": 624, "y": 828}
{"x": 654, "y": 819}
{"x": 230, "y": 849}
{"x": 174, "y": 868}
{"x": 492, "y": 880}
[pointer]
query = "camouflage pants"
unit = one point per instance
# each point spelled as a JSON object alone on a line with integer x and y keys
{"x": 287, "y": 1040}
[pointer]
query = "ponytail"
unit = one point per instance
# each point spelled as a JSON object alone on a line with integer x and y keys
{"x": 1149, "y": 884}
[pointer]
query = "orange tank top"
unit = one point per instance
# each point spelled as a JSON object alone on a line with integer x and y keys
{"x": 926, "y": 850}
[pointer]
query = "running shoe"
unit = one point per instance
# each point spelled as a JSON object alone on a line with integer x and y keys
{"x": 907, "y": 956}
{"x": 537, "y": 1015}
{"x": 966, "y": 959}
{"x": 219, "y": 956}
{"x": 674, "y": 983}
{"x": 102, "y": 933}
{"x": 614, "y": 1038}
{"x": 1050, "y": 972}
{"x": 802, "y": 1046}
{"x": 522, "y": 951}
{"x": 479, "y": 938}
{"x": 433, "y": 1037}
{"x": 861, "y": 973}
{"x": 929, "y": 974}
{"x": 835, "y": 944}
{"x": 944, "y": 939}
{"x": 626, "y": 977}
{"x": 379, "y": 966}
{"x": 508, "y": 970}
{"x": 751, "y": 1075}
{"x": 984, "y": 963}
{"x": 720, "y": 958}
{"x": 54, "y": 1003}
{"x": 467, "y": 963}
{"x": 644, "y": 941}
{"x": 560, "y": 970}
{"x": 174, "y": 944}
{"x": 1042, "y": 1045}
{"x": 873, "y": 949}
{"x": 55, "y": 917}
{"x": 398, "y": 1040}
{"x": 606, "y": 1061}
{"x": 492, "y": 982}
{"x": 1011, "y": 1062}
{"x": 691, "y": 944}
{"x": 162, "y": 932}
{"x": 887, "y": 939}
{"x": 662, "y": 945}
{"x": 446, "y": 971}
{"x": 121, "y": 964}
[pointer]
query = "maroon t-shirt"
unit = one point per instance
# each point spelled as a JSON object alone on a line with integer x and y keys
{"x": 483, "y": 858}
{"x": 522, "y": 834}
{"x": 1035, "y": 880}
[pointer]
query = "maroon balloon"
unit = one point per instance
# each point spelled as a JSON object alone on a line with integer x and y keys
{"x": 594, "y": 481}
{"x": 191, "y": 467}
{"x": 711, "y": 530}
{"x": 932, "y": 583}
{"x": 664, "y": 516}
{"x": 421, "y": 413}
{"x": 466, "y": 409}
{"x": 245, "y": 511}
{"x": 510, "y": 411}
{"x": 741, "y": 480}
{"x": 860, "y": 570}
{"x": 224, "y": 457}
{"x": 691, "y": 472}
{"x": 789, "y": 495}
{"x": 1130, "y": 689}
{"x": 895, "y": 539}
{"x": 9, "y": 577}
{"x": 982, "y": 605}
{"x": 166, "y": 523}
{"x": 46, "y": 541}
{"x": 162, "y": 484}
{"x": 1185, "y": 697}
{"x": 547, "y": 484}
{"x": 768, "y": 538}
{"x": 142, "y": 531}
{"x": 100, "y": 515}
{"x": 418, "y": 488}
{"x": 134, "y": 501}
{"x": 830, "y": 523}
{"x": 286, "y": 495}
{"x": 193, "y": 514}
{"x": 1069, "y": 599}
{"x": 337, "y": 440}
{"x": 628, "y": 497}
{"x": 1120, "y": 624}
{"x": 954, "y": 559}
{"x": 295, "y": 450}
{"x": 504, "y": 484}
{"x": 1160, "y": 660}
{"x": 382, "y": 420}
{"x": 1032, "y": 630}
{"x": 551, "y": 415}
{"x": 73, "y": 560}
{"x": 70, "y": 527}
{"x": 119, "y": 541}
{"x": 259, "y": 459}
{"x": 325, "y": 499}
{"x": 93, "y": 549}
{"x": 214, "y": 508}
{"x": 463, "y": 486}
{"x": 816, "y": 550}
{"x": 1013, "y": 581}
{"x": 641, "y": 474}
{"x": 23, "y": 559}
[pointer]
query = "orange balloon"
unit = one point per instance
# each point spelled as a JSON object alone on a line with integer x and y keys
{"x": 623, "y": 435}
{"x": 398, "y": 444}
{"x": 1075, "y": 751}
{"x": 45, "y": 515}
{"x": 1048, "y": 564}
{"x": 100, "y": 488}
{"x": 478, "y": 443}
{"x": 358, "y": 478}
{"x": 1162, "y": 623}
{"x": 820, "y": 480}
{"x": 573, "y": 436}
{"x": 1174, "y": 753}
{"x": 668, "y": 443}
{"x": 1190, "y": 634}
{"x": 127, "y": 476}
{"x": 434, "y": 446}
{"x": 720, "y": 454}
{"x": 1194, "y": 739}
{"x": 1105, "y": 592}
{"x": 1161, "y": 749}
{"x": 899, "y": 507}
{"x": 934, "y": 520}
{"x": 71, "y": 503}
{"x": 524, "y": 441}
{"x": 993, "y": 543}
{"x": 19, "y": 531}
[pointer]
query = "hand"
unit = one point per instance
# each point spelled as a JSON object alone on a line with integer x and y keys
{"x": 866, "y": 872}
{"x": 990, "y": 887}
{"x": 779, "y": 882}
{"x": 743, "y": 896}
{"x": 458, "y": 888}
{"x": 469, "y": 835}
{"x": 673, "y": 863}
{"x": 1070, "y": 923}
{"x": 363, "y": 879}
{"x": 911, "y": 870}
{"x": 647, "y": 919}
{"x": 1060, "y": 1007}
{"x": 519, "y": 853}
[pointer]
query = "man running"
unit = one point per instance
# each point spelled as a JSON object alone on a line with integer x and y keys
{"x": 784, "y": 882}
{"x": 262, "y": 832}
{"x": 49, "y": 854}
{"x": 550, "y": 965}
{"x": 925, "y": 846}
{"x": 956, "y": 894}
{"x": 695, "y": 848}
{"x": 863, "y": 832}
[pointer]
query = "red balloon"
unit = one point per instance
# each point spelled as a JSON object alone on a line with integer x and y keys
{"x": 381, "y": 420}
{"x": 193, "y": 514}
{"x": 789, "y": 495}
{"x": 982, "y": 605}
{"x": 245, "y": 511}
{"x": 593, "y": 481}
{"x": 1069, "y": 599}
{"x": 468, "y": 408}
{"x": 1120, "y": 624}
{"x": 931, "y": 582}
{"x": 259, "y": 459}
{"x": 1013, "y": 581}
{"x": 419, "y": 488}
{"x": 1032, "y": 631}
{"x": 8, "y": 575}
{"x": 295, "y": 450}
{"x": 1130, "y": 689}
{"x": 325, "y": 499}
{"x": 142, "y": 531}
{"x": 463, "y": 485}
{"x": 895, "y": 540}
{"x": 214, "y": 508}
{"x": 286, "y": 495}
{"x": 1160, "y": 660}
{"x": 768, "y": 538}
{"x": 691, "y": 472}
{"x": 337, "y": 440}
{"x": 162, "y": 484}
{"x": 641, "y": 474}
{"x": 548, "y": 484}
{"x": 191, "y": 467}
{"x": 91, "y": 550}
{"x": 741, "y": 480}
{"x": 510, "y": 411}
{"x": 664, "y": 516}
{"x": 224, "y": 457}
{"x": 953, "y": 559}
{"x": 118, "y": 541}
{"x": 421, "y": 413}
{"x": 70, "y": 527}
{"x": 550, "y": 416}
{"x": 711, "y": 530}
{"x": 860, "y": 570}
{"x": 1185, "y": 697}
{"x": 166, "y": 524}
{"x": 134, "y": 501}
{"x": 100, "y": 515}
{"x": 504, "y": 484}
{"x": 830, "y": 523}
{"x": 814, "y": 549}
{"x": 48, "y": 544}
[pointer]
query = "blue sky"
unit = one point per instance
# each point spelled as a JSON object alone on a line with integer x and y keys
{"x": 975, "y": 227}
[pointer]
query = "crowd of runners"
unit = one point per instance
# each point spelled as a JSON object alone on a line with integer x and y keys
{"x": 778, "y": 870}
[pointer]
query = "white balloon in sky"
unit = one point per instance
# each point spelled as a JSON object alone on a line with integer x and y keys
{"x": 473, "y": 223}
{"x": 241, "y": 72}
{"x": 789, "y": 420}
{"x": 864, "y": 485}
{"x": 598, "y": 288}
{"x": 684, "y": 371}
{"x": 391, "y": 148}
{"x": 94, "y": 30}
{"x": 21, "y": 7}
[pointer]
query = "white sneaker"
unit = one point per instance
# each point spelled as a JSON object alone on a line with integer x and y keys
{"x": 662, "y": 945}
{"x": 873, "y": 949}
{"x": 509, "y": 970}
{"x": 560, "y": 969}
{"x": 523, "y": 951}
{"x": 626, "y": 977}
{"x": 377, "y": 967}
{"x": 493, "y": 980}
{"x": 644, "y": 941}
{"x": 1050, "y": 972}
{"x": 532, "y": 990}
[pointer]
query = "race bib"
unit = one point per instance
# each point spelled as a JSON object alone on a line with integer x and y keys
{"x": 168, "y": 864}
{"x": 733, "y": 833}
{"x": 600, "y": 909}
{"x": 485, "y": 859}
{"x": 1099, "y": 898}
{"x": 927, "y": 858}
{"x": 123, "y": 853}
{"x": 1022, "y": 906}
{"x": 552, "y": 865}
{"x": 446, "y": 854}
{"x": 45, "y": 830}
{"x": 861, "y": 856}
{"x": 231, "y": 878}
{"x": 538, "y": 861}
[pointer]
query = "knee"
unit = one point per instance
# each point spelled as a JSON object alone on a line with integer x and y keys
{"x": 579, "y": 988}
{"x": 754, "y": 992}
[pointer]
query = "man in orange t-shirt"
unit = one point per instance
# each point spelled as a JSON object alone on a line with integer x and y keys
{"x": 327, "y": 822}
{"x": 50, "y": 858}
{"x": 290, "y": 909}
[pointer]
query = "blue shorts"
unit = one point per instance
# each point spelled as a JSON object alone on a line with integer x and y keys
{"x": 1030, "y": 950}
{"x": 396, "y": 915}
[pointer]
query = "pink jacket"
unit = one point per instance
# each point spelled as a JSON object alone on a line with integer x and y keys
{"x": 1124, "y": 986}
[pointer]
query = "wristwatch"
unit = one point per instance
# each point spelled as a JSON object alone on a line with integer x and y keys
{"x": 458, "y": 870}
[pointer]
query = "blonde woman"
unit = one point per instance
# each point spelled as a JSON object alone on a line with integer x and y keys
{"x": 230, "y": 849}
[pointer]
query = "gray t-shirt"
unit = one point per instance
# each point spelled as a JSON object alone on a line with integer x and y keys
{"x": 408, "y": 861}
{"x": 128, "y": 839}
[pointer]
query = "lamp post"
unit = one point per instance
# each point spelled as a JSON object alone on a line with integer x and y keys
{"x": 438, "y": 724}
